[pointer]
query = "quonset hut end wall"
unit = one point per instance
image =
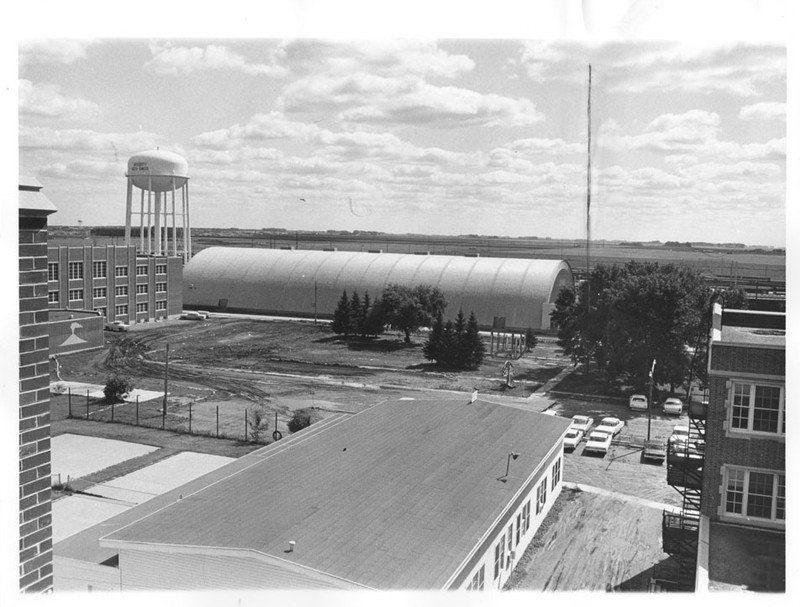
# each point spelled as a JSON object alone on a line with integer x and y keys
{"x": 298, "y": 283}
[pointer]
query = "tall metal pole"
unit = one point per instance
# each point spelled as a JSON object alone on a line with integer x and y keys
{"x": 650, "y": 402}
{"x": 588, "y": 188}
{"x": 166, "y": 379}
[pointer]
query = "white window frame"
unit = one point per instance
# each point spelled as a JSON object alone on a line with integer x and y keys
{"x": 526, "y": 517}
{"x": 478, "y": 579}
{"x": 161, "y": 306}
{"x": 541, "y": 495}
{"x": 75, "y": 295}
{"x": 141, "y": 271}
{"x": 99, "y": 269}
{"x": 99, "y": 292}
{"x": 52, "y": 270}
{"x": 141, "y": 308}
{"x": 121, "y": 290}
{"x": 745, "y": 473}
{"x": 52, "y": 297}
{"x": 142, "y": 289}
{"x": 121, "y": 310}
{"x": 121, "y": 271}
{"x": 555, "y": 474}
{"x": 161, "y": 287}
{"x": 733, "y": 395}
{"x": 161, "y": 268}
{"x": 75, "y": 270}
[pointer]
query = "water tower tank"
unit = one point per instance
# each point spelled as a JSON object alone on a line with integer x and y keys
{"x": 158, "y": 171}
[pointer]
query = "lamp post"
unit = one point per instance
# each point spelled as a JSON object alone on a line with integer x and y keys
{"x": 511, "y": 456}
{"x": 650, "y": 402}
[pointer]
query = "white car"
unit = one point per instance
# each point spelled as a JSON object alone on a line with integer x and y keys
{"x": 582, "y": 423}
{"x": 117, "y": 325}
{"x": 204, "y": 313}
{"x": 598, "y": 442}
{"x": 573, "y": 438}
{"x": 638, "y": 402}
{"x": 672, "y": 406}
{"x": 191, "y": 316}
{"x": 610, "y": 425}
{"x": 680, "y": 434}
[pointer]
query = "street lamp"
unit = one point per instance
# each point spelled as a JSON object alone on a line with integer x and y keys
{"x": 511, "y": 456}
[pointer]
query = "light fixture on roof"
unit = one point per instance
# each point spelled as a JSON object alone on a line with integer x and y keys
{"x": 511, "y": 456}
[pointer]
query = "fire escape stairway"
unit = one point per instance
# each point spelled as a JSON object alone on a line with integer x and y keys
{"x": 680, "y": 531}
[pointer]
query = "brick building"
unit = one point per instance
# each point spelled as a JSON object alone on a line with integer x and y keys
{"x": 743, "y": 508}
{"x": 115, "y": 282}
{"x": 35, "y": 512}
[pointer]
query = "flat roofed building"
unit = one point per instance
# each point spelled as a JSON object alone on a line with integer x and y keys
{"x": 743, "y": 522}
{"x": 419, "y": 493}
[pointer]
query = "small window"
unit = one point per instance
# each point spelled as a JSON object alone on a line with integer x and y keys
{"x": 477, "y": 579}
{"x": 161, "y": 287}
{"x": 161, "y": 268}
{"x": 141, "y": 270}
{"x": 75, "y": 294}
{"x": 98, "y": 269}
{"x": 120, "y": 310}
{"x": 52, "y": 297}
{"x": 556, "y": 475}
{"x": 99, "y": 292}
{"x": 519, "y": 526}
{"x": 140, "y": 289}
{"x": 161, "y": 305}
{"x": 755, "y": 494}
{"x": 75, "y": 270}
{"x": 121, "y": 271}
{"x": 121, "y": 290}
{"x": 52, "y": 270}
{"x": 141, "y": 307}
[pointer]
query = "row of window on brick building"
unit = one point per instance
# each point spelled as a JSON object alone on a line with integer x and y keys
{"x": 511, "y": 538}
{"x": 99, "y": 270}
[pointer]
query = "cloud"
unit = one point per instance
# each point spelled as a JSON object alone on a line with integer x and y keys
{"x": 260, "y": 128}
{"x": 53, "y": 51}
{"x": 387, "y": 58}
{"x": 763, "y": 111}
{"x": 666, "y": 133}
{"x": 169, "y": 60}
{"x": 45, "y": 100}
{"x": 82, "y": 140}
{"x": 92, "y": 169}
{"x": 738, "y": 69}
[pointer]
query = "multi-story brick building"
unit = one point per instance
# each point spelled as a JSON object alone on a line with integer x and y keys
{"x": 115, "y": 282}
{"x": 743, "y": 507}
{"x": 35, "y": 512}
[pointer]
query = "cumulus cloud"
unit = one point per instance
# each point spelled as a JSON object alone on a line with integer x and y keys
{"x": 172, "y": 60}
{"x": 763, "y": 111}
{"x": 260, "y": 128}
{"x": 91, "y": 169}
{"x": 387, "y": 58}
{"x": 46, "y": 100}
{"x": 83, "y": 140}
{"x": 738, "y": 69}
{"x": 53, "y": 51}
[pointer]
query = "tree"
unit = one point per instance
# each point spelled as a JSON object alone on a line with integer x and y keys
{"x": 366, "y": 305}
{"x": 407, "y": 309}
{"x": 531, "y": 341}
{"x": 355, "y": 314}
{"x": 432, "y": 347}
{"x": 460, "y": 353}
{"x": 474, "y": 348}
{"x": 374, "y": 321}
{"x": 257, "y": 423}
{"x": 624, "y": 317}
{"x": 116, "y": 388}
{"x": 341, "y": 316}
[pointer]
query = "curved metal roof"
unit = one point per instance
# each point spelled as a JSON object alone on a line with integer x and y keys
{"x": 274, "y": 281}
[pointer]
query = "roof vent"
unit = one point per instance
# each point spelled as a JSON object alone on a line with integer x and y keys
{"x": 292, "y": 544}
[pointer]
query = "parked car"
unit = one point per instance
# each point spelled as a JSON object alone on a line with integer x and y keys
{"x": 673, "y": 406}
{"x": 598, "y": 442}
{"x": 638, "y": 402}
{"x": 582, "y": 423}
{"x": 655, "y": 450}
{"x": 680, "y": 434}
{"x": 610, "y": 425}
{"x": 204, "y": 313}
{"x": 573, "y": 438}
{"x": 680, "y": 444}
{"x": 117, "y": 325}
{"x": 191, "y": 316}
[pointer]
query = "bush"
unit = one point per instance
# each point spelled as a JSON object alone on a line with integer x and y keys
{"x": 531, "y": 341}
{"x": 116, "y": 388}
{"x": 302, "y": 418}
{"x": 257, "y": 424}
{"x": 455, "y": 344}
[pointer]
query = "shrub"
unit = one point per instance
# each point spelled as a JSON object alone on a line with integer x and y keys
{"x": 116, "y": 387}
{"x": 301, "y": 418}
{"x": 257, "y": 424}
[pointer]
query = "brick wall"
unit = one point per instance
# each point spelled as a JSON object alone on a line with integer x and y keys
{"x": 739, "y": 359}
{"x": 35, "y": 516}
{"x": 748, "y": 452}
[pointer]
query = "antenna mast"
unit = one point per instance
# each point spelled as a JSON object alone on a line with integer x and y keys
{"x": 588, "y": 188}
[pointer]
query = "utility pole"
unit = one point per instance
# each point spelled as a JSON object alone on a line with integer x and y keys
{"x": 166, "y": 380}
{"x": 650, "y": 402}
{"x": 588, "y": 187}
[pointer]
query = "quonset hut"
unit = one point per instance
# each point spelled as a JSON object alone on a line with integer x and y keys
{"x": 305, "y": 283}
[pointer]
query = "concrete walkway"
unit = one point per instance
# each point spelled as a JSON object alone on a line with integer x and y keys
{"x": 552, "y": 382}
{"x": 622, "y": 496}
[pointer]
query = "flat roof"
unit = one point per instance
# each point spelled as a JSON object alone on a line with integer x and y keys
{"x": 395, "y": 497}
{"x": 746, "y": 558}
{"x": 753, "y": 336}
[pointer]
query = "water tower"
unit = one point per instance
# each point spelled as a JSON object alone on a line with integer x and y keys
{"x": 161, "y": 175}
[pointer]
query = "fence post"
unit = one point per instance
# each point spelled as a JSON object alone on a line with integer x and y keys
{"x": 87, "y": 404}
{"x": 137, "y": 409}
{"x": 217, "y": 421}
{"x": 245, "y": 424}
{"x": 69, "y": 400}
{"x": 190, "y": 418}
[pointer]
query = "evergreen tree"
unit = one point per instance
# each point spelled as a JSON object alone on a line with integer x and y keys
{"x": 355, "y": 314}
{"x": 432, "y": 348}
{"x": 374, "y": 321}
{"x": 366, "y": 304}
{"x": 460, "y": 354}
{"x": 449, "y": 347}
{"x": 531, "y": 340}
{"x": 474, "y": 346}
{"x": 341, "y": 316}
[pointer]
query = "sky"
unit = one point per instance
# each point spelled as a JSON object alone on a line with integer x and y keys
{"x": 421, "y": 134}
